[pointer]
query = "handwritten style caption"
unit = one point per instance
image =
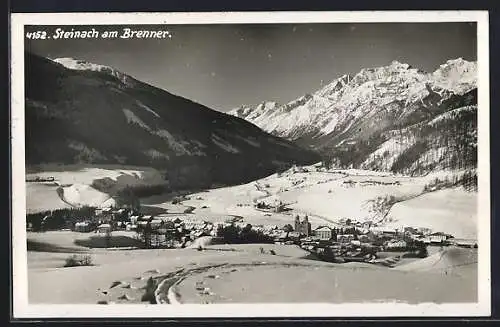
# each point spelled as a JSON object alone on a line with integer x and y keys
{"x": 92, "y": 33}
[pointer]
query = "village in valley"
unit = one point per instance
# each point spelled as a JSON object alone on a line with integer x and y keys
{"x": 360, "y": 175}
{"x": 350, "y": 241}
{"x": 339, "y": 240}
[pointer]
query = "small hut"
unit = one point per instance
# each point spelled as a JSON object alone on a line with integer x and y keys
{"x": 83, "y": 227}
{"x": 104, "y": 229}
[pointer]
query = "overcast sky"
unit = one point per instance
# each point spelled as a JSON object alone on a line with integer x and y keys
{"x": 224, "y": 66}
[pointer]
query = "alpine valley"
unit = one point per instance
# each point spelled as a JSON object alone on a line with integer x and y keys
{"x": 366, "y": 188}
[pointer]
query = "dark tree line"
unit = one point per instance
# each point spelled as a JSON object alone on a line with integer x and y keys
{"x": 468, "y": 181}
{"x": 354, "y": 154}
{"x": 416, "y": 248}
{"x": 154, "y": 237}
{"x": 233, "y": 234}
{"x": 409, "y": 156}
{"x": 449, "y": 142}
{"x": 59, "y": 218}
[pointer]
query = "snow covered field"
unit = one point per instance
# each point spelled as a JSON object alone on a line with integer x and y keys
{"x": 43, "y": 196}
{"x": 86, "y": 174}
{"x": 451, "y": 210}
{"x": 241, "y": 273}
{"x": 72, "y": 185}
{"x": 325, "y": 196}
{"x": 326, "y": 283}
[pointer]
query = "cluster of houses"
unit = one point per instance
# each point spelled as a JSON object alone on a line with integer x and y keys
{"x": 277, "y": 206}
{"x": 349, "y": 239}
{"x": 104, "y": 221}
{"x": 36, "y": 179}
{"x": 360, "y": 241}
{"x": 155, "y": 230}
{"x": 350, "y": 183}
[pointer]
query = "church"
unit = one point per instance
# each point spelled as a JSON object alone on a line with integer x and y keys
{"x": 302, "y": 227}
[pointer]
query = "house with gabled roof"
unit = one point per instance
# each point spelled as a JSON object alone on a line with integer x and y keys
{"x": 323, "y": 233}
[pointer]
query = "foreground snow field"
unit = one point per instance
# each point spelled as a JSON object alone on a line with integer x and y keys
{"x": 327, "y": 283}
{"x": 242, "y": 273}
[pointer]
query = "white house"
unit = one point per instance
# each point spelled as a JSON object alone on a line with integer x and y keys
{"x": 356, "y": 242}
{"x": 367, "y": 224}
{"x": 345, "y": 238}
{"x": 130, "y": 227}
{"x": 155, "y": 223}
{"x": 323, "y": 233}
{"x": 104, "y": 228}
{"x": 142, "y": 223}
{"x": 133, "y": 219}
{"x": 424, "y": 230}
{"x": 464, "y": 242}
{"x": 82, "y": 226}
{"x": 438, "y": 237}
{"x": 103, "y": 211}
{"x": 395, "y": 244}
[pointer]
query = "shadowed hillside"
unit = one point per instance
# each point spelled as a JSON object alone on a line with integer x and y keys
{"x": 96, "y": 115}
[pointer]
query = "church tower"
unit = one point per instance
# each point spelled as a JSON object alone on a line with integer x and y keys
{"x": 306, "y": 226}
{"x": 297, "y": 224}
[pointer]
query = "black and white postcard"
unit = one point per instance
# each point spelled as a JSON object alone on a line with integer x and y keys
{"x": 264, "y": 164}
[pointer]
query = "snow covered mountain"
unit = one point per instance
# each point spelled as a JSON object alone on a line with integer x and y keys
{"x": 79, "y": 112}
{"x": 352, "y": 118}
{"x": 82, "y": 65}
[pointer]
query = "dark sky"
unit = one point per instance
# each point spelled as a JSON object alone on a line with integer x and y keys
{"x": 224, "y": 66}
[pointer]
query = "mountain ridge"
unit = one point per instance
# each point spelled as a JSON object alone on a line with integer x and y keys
{"x": 358, "y": 109}
{"x": 95, "y": 114}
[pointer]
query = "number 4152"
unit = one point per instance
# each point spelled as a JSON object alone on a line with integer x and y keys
{"x": 36, "y": 35}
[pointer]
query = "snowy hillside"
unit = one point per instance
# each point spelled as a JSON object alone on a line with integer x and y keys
{"x": 391, "y": 88}
{"x": 379, "y": 111}
{"x": 84, "y": 113}
{"x": 76, "y": 64}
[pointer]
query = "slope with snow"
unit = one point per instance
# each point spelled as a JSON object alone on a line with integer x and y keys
{"x": 84, "y": 113}
{"x": 356, "y": 120}
{"x": 450, "y": 210}
{"x": 76, "y": 186}
{"x": 327, "y": 196}
{"x": 76, "y": 64}
{"x": 390, "y": 88}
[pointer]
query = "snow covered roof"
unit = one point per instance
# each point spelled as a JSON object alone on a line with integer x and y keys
{"x": 323, "y": 228}
{"x": 464, "y": 241}
{"x": 440, "y": 234}
{"x": 383, "y": 229}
